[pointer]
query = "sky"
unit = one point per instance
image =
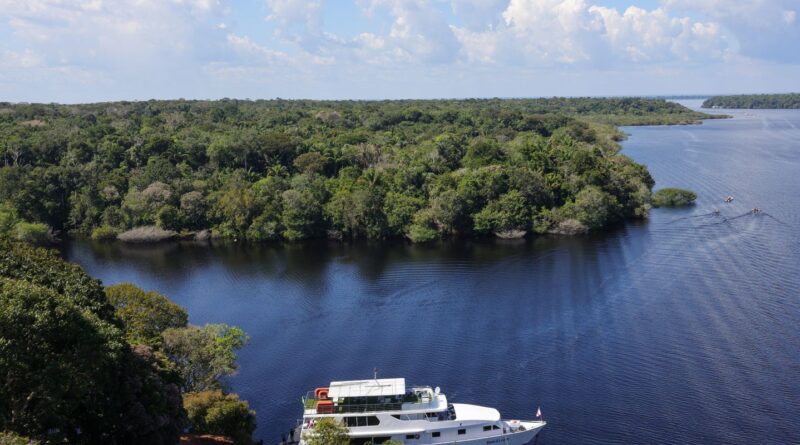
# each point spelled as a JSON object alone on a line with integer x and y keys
{"x": 101, "y": 50}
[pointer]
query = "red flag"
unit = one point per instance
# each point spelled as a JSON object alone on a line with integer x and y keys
{"x": 538, "y": 413}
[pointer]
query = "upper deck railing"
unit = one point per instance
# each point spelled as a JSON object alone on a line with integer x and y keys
{"x": 353, "y": 405}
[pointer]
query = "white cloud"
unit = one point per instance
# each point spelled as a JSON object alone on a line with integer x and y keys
{"x": 103, "y": 35}
{"x": 255, "y": 53}
{"x": 762, "y": 29}
{"x": 419, "y": 32}
{"x": 547, "y": 32}
{"x": 478, "y": 15}
{"x": 299, "y": 21}
{"x": 789, "y": 16}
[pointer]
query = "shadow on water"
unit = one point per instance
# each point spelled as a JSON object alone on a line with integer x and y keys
{"x": 309, "y": 261}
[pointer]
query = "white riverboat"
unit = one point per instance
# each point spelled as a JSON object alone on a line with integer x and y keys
{"x": 378, "y": 410}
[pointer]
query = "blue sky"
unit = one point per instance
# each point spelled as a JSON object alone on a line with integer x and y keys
{"x": 98, "y": 50}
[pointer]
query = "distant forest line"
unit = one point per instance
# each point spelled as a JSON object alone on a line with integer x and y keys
{"x": 755, "y": 101}
{"x": 292, "y": 170}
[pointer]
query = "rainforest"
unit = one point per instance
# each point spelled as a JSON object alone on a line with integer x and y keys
{"x": 291, "y": 170}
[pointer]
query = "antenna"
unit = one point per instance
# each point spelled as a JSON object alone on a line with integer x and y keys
{"x": 375, "y": 373}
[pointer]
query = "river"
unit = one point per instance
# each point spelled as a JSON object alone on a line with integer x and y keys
{"x": 678, "y": 329}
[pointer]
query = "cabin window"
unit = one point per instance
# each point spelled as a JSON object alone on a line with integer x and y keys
{"x": 462, "y": 431}
{"x": 436, "y": 434}
{"x": 495, "y": 427}
{"x": 356, "y": 421}
{"x": 487, "y": 428}
{"x": 412, "y": 436}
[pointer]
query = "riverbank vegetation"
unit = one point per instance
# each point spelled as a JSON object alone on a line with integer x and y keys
{"x": 673, "y": 197}
{"x": 291, "y": 170}
{"x": 84, "y": 364}
{"x": 754, "y": 101}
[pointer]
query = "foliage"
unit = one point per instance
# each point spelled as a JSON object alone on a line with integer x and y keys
{"x": 146, "y": 315}
{"x": 212, "y": 412}
{"x": 8, "y": 438}
{"x": 104, "y": 232}
{"x": 67, "y": 374}
{"x": 204, "y": 354}
{"x": 12, "y": 227}
{"x": 44, "y": 268}
{"x": 509, "y": 212}
{"x": 673, "y": 197}
{"x": 292, "y": 170}
{"x": 752, "y": 101}
{"x": 33, "y": 233}
{"x": 327, "y": 431}
{"x": 155, "y": 414}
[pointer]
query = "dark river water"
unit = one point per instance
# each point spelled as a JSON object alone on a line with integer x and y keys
{"x": 679, "y": 329}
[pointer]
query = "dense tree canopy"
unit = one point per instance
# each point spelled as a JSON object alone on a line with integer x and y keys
{"x": 145, "y": 314}
{"x": 290, "y": 170}
{"x": 84, "y": 364}
{"x": 203, "y": 355}
{"x": 213, "y": 412}
{"x": 66, "y": 371}
{"x": 768, "y": 101}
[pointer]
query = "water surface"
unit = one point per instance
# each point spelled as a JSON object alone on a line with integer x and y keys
{"x": 666, "y": 331}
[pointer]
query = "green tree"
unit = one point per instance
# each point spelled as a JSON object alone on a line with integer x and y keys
{"x": 146, "y": 315}
{"x": 592, "y": 207}
{"x": 168, "y": 218}
{"x": 58, "y": 338}
{"x": 234, "y": 209}
{"x": 673, "y": 197}
{"x": 509, "y": 213}
{"x": 482, "y": 151}
{"x": 8, "y": 219}
{"x": 311, "y": 162}
{"x": 302, "y": 214}
{"x": 33, "y": 233}
{"x": 193, "y": 209}
{"x": 423, "y": 227}
{"x": 399, "y": 210}
{"x": 327, "y": 431}
{"x": 213, "y": 412}
{"x": 203, "y": 354}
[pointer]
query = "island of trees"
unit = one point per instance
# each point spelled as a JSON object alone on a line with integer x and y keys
{"x": 673, "y": 197}
{"x": 753, "y": 101}
{"x": 292, "y": 170}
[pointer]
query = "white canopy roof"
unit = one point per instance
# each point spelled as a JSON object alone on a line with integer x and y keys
{"x": 475, "y": 412}
{"x": 367, "y": 388}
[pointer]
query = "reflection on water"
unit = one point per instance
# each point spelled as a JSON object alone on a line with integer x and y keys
{"x": 666, "y": 331}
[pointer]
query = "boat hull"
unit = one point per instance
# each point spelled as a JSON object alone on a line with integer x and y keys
{"x": 531, "y": 430}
